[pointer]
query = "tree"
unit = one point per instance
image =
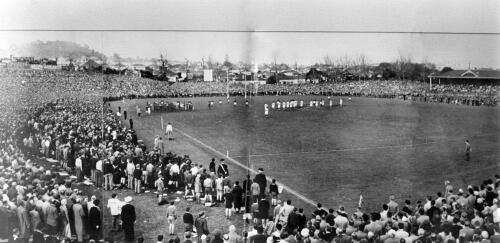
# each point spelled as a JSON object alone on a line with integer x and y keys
{"x": 116, "y": 57}
{"x": 446, "y": 69}
{"x": 387, "y": 70}
{"x": 360, "y": 66}
{"x": 329, "y": 63}
{"x": 403, "y": 65}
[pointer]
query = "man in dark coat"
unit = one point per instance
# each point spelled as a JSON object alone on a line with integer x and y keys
{"x": 94, "y": 218}
{"x": 260, "y": 178}
{"x": 264, "y": 206}
{"x": 188, "y": 220}
{"x": 222, "y": 170}
{"x": 201, "y": 224}
{"x": 211, "y": 167}
{"x": 247, "y": 184}
{"x": 128, "y": 219}
{"x": 237, "y": 196}
{"x": 292, "y": 223}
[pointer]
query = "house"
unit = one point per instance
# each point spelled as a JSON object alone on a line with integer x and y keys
{"x": 63, "y": 61}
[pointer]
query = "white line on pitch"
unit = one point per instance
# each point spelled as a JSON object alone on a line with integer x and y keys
{"x": 293, "y": 192}
{"x": 359, "y": 148}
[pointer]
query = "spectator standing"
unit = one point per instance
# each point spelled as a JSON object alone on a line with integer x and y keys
{"x": 128, "y": 219}
{"x": 171, "y": 217}
{"x": 188, "y": 220}
{"x": 114, "y": 206}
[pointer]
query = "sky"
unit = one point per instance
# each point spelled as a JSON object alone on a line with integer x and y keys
{"x": 134, "y": 29}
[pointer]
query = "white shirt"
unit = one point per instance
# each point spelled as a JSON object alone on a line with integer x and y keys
{"x": 174, "y": 169}
{"x": 130, "y": 168}
{"x": 115, "y": 206}
{"x": 169, "y": 128}
{"x": 194, "y": 170}
{"x": 341, "y": 222}
{"x": 98, "y": 165}
{"x": 78, "y": 162}
{"x": 401, "y": 234}
{"x": 496, "y": 216}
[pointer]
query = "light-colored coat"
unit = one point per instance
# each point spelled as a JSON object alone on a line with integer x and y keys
{"x": 79, "y": 214}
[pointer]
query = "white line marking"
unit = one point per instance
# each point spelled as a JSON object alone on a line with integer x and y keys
{"x": 290, "y": 190}
{"x": 403, "y": 146}
{"x": 340, "y": 150}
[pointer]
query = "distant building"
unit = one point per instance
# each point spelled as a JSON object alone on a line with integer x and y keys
{"x": 470, "y": 76}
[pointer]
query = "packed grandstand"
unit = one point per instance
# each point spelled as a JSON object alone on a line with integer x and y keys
{"x": 52, "y": 137}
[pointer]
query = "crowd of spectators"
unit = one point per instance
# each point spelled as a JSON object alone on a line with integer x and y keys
{"x": 117, "y": 86}
{"x": 58, "y": 140}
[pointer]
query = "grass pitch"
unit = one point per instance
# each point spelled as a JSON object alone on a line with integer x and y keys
{"x": 369, "y": 147}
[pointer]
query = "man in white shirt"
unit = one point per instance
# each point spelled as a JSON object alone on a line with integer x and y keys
{"x": 157, "y": 142}
{"x": 496, "y": 214}
{"x": 194, "y": 170}
{"x": 401, "y": 233}
{"x": 285, "y": 211}
{"x": 115, "y": 208}
{"x": 174, "y": 173}
{"x": 98, "y": 173}
{"x": 341, "y": 220}
{"x": 78, "y": 167}
{"x": 130, "y": 174}
{"x": 169, "y": 131}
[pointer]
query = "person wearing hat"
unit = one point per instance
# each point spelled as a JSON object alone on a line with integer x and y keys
{"x": 128, "y": 219}
{"x": 222, "y": 170}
